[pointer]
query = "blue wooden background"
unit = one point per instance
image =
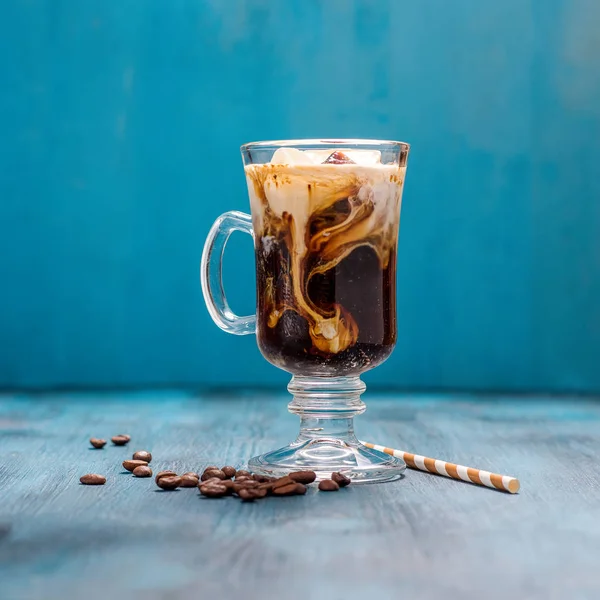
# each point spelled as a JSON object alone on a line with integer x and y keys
{"x": 120, "y": 125}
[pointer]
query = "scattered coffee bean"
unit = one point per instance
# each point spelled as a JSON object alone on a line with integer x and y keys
{"x": 267, "y": 486}
{"x": 120, "y": 440}
{"x": 208, "y": 473}
{"x": 282, "y": 481}
{"x": 290, "y": 489}
{"x": 215, "y": 482}
{"x": 246, "y": 482}
{"x": 251, "y": 494}
{"x": 300, "y": 489}
{"x": 263, "y": 478}
{"x": 328, "y": 485}
{"x": 211, "y": 480}
{"x": 142, "y": 455}
{"x": 244, "y": 479}
{"x": 169, "y": 482}
{"x": 143, "y": 471}
{"x": 245, "y": 485}
{"x": 227, "y": 483}
{"x": 229, "y": 472}
{"x": 93, "y": 479}
{"x": 164, "y": 474}
{"x": 213, "y": 490}
{"x": 130, "y": 465}
{"x": 246, "y": 495}
{"x": 187, "y": 481}
{"x": 210, "y": 467}
{"x": 341, "y": 479}
{"x": 304, "y": 477}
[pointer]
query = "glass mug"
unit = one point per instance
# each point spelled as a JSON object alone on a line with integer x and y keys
{"x": 325, "y": 220}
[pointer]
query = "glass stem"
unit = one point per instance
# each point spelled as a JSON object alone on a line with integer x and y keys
{"x": 327, "y": 407}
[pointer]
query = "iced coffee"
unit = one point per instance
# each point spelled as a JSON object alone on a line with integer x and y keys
{"x": 326, "y": 228}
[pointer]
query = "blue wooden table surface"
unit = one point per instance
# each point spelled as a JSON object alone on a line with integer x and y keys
{"x": 421, "y": 537}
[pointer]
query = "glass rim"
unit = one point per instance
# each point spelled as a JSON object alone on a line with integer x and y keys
{"x": 311, "y": 143}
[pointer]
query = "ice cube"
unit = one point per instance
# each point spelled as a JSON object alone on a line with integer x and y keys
{"x": 360, "y": 157}
{"x": 319, "y": 156}
{"x": 364, "y": 157}
{"x": 338, "y": 158}
{"x": 291, "y": 156}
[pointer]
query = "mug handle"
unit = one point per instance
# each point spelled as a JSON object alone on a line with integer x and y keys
{"x": 211, "y": 273}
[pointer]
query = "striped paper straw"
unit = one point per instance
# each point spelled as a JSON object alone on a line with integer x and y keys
{"x": 448, "y": 469}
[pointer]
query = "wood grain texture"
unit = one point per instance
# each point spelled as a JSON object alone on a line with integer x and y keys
{"x": 423, "y": 537}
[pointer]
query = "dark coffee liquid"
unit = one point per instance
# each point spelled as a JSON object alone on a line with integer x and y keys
{"x": 358, "y": 283}
{"x": 326, "y": 264}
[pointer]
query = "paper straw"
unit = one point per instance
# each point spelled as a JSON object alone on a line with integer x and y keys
{"x": 448, "y": 469}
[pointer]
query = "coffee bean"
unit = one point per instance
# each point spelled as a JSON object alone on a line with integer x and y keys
{"x": 282, "y": 481}
{"x": 242, "y": 473}
{"x": 93, "y": 479}
{"x": 212, "y": 480}
{"x": 187, "y": 481}
{"x": 243, "y": 479}
{"x": 341, "y": 479}
{"x": 120, "y": 440}
{"x": 218, "y": 483}
{"x": 328, "y": 485}
{"x": 248, "y": 483}
{"x": 130, "y": 465}
{"x": 164, "y": 474}
{"x": 251, "y": 494}
{"x": 210, "y": 467}
{"x": 169, "y": 482}
{"x": 229, "y": 472}
{"x": 208, "y": 473}
{"x": 97, "y": 442}
{"x": 245, "y": 485}
{"x": 257, "y": 492}
{"x": 300, "y": 489}
{"x": 304, "y": 477}
{"x": 143, "y": 471}
{"x": 246, "y": 495}
{"x": 229, "y": 485}
{"x": 142, "y": 455}
{"x": 290, "y": 489}
{"x": 263, "y": 478}
{"x": 192, "y": 474}
{"x": 213, "y": 490}
{"x": 267, "y": 486}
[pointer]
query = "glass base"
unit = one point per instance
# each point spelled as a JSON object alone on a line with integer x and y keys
{"x": 326, "y": 442}
{"x": 327, "y": 456}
